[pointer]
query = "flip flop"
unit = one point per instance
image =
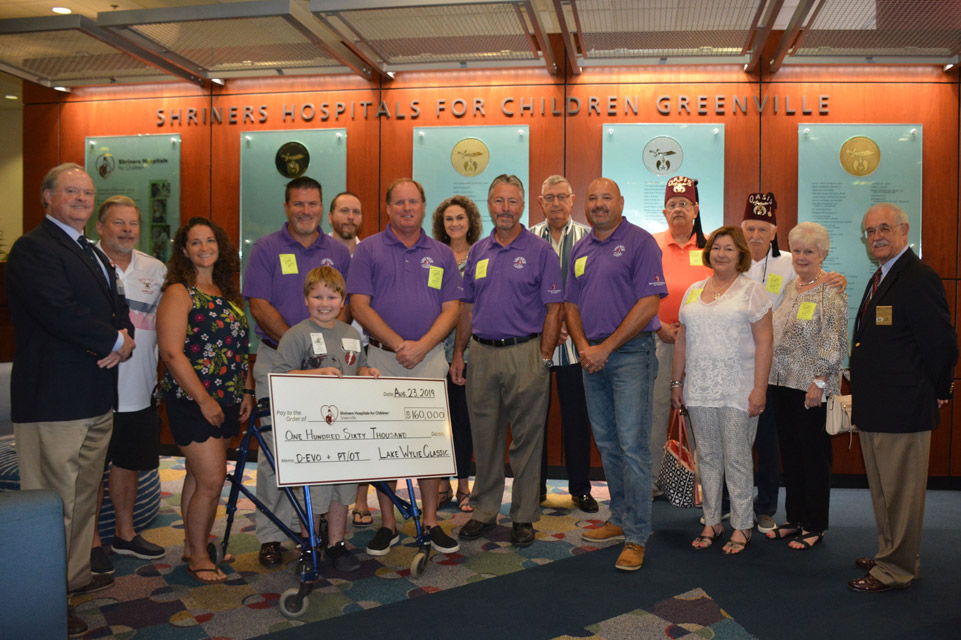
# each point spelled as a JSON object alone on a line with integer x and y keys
{"x": 195, "y": 574}
{"x": 227, "y": 558}
{"x": 361, "y": 519}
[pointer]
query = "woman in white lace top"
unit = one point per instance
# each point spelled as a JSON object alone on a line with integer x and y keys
{"x": 811, "y": 336}
{"x": 722, "y": 358}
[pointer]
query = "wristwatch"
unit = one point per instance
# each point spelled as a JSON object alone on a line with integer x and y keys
{"x": 548, "y": 363}
{"x": 820, "y": 384}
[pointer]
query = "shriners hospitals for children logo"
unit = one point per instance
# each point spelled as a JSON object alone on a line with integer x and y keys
{"x": 520, "y": 262}
{"x": 426, "y": 262}
{"x": 554, "y": 290}
{"x": 326, "y": 262}
{"x": 619, "y": 251}
{"x": 330, "y": 413}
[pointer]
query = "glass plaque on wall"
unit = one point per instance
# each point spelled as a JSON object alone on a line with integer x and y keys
{"x": 452, "y": 161}
{"x": 146, "y": 169}
{"x": 271, "y": 159}
{"x": 845, "y": 169}
{"x": 641, "y": 158}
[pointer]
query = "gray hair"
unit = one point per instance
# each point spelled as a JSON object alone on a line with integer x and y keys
{"x": 900, "y": 217}
{"x": 50, "y": 180}
{"x": 556, "y": 179}
{"x": 810, "y": 233}
{"x": 506, "y": 179}
{"x": 116, "y": 201}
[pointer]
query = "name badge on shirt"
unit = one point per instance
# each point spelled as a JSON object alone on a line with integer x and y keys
{"x": 774, "y": 282}
{"x": 480, "y": 270}
{"x": 435, "y": 277}
{"x": 579, "y": 265}
{"x": 697, "y": 258}
{"x": 806, "y": 310}
{"x": 350, "y": 344}
{"x": 317, "y": 342}
{"x": 884, "y": 315}
{"x": 694, "y": 295}
{"x": 288, "y": 263}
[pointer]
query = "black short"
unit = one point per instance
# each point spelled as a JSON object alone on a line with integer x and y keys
{"x": 188, "y": 424}
{"x": 135, "y": 442}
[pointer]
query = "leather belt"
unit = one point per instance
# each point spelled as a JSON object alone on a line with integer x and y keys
{"x": 506, "y": 342}
{"x": 379, "y": 345}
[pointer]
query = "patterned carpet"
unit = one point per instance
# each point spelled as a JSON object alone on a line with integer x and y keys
{"x": 159, "y": 600}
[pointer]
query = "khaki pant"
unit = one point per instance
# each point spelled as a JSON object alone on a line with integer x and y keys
{"x": 68, "y": 457}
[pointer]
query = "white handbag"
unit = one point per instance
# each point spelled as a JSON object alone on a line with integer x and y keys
{"x": 839, "y": 415}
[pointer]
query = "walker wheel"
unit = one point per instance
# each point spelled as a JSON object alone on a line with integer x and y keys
{"x": 419, "y": 564}
{"x": 215, "y": 551}
{"x": 292, "y": 604}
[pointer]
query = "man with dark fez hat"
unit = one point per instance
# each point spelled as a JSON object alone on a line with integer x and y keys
{"x": 774, "y": 271}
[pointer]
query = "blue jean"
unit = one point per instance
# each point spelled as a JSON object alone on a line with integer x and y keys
{"x": 619, "y": 402}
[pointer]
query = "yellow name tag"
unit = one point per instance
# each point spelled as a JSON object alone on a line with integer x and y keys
{"x": 435, "y": 277}
{"x": 694, "y": 295}
{"x": 884, "y": 315}
{"x": 697, "y": 258}
{"x": 806, "y": 310}
{"x": 288, "y": 263}
{"x": 480, "y": 271}
{"x": 579, "y": 265}
{"x": 774, "y": 282}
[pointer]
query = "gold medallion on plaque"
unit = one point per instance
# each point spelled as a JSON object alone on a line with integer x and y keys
{"x": 860, "y": 156}
{"x": 470, "y": 157}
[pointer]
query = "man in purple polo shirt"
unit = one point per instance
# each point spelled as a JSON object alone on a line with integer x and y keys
{"x": 403, "y": 290}
{"x": 274, "y": 287}
{"x": 615, "y": 275}
{"x": 513, "y": 310}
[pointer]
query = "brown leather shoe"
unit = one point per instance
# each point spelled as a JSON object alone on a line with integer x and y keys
{"x": 865, "y": 563}
{"x": 867, "y": 584}
{"x": 271, "y": 554}
{"x": 76, "y": 627}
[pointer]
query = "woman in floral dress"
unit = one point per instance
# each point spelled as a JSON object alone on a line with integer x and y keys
{"x": 208, "y": 388}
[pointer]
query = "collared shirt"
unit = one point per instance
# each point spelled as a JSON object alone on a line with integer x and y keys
{"x": 407, "y": 286}
{"x": 609, "y": 276}
{"x": 510, "y": 286}
{"x": 890, "y": 263}
{"x": 774, "y": 274}
{"x": 137, "y": 376}
{"x": 565, "y": 353}
{"x": 682, "y": 268}
{"x": 278, "y": 266}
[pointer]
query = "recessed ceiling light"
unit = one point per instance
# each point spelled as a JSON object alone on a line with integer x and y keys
{"x": 61, "y": 10}
{"x": 11, "y": 97}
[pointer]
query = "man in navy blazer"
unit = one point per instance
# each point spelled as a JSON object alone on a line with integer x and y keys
{"x": 902, "y": 373}
{"x": 72, "y": 328}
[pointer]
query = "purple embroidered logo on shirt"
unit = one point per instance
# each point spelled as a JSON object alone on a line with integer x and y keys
{"x": 520, "y": 263}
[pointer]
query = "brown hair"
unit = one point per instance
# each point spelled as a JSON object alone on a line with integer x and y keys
{"x": 328, "y": 276}
{"x": 180, "y": 270}
{"x": 400, "y": 181}
{"x": 473, "y": 217}
{"x": 743, "y": 252}
{"x": 116, "y": 201}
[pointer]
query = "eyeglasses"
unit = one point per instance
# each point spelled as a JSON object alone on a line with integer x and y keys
{"x": 560, "y": 197}
{"x": 882, "y": 230}
{"x": 510, "y": 202}
{"x": 683, "y": 206}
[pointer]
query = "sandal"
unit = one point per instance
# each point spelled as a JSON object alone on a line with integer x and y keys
{"x": 733, "y": 547}
{"x": 786, "y": 530}
{"x": 705, "y": 542}
{"x": 361, "y": 519}
{"x": 196, "y": 573}
{"x": 803, "y": 537}
{"x": 463, "y": 501}
{"x": 445, "y": 496}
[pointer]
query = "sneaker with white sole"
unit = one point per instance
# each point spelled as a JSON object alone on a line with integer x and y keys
{"x": 383, "y": 540}
{"x": 726, "y": 516}
{"x": 138, "y": 548}
{"x": 441, "y": 542}
{"x": 765, "y": 523}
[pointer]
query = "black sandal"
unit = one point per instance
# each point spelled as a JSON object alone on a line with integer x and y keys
{"x": 786, "y": 530}
{"x": 802, "y": 539}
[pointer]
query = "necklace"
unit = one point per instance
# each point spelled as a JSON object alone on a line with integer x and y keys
{"x": 719, "y": 292}
{"x": 804, "y": 284}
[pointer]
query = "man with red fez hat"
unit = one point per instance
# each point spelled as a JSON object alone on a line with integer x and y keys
{"x": 681, "y": 245}
{"x": 774, "y": 271}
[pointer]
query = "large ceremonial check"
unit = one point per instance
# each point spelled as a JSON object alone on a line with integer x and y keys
{"x": 357, "y": 429}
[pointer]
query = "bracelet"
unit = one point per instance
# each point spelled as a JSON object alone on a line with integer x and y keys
{"x": 250, "y": 392}
{"x": 676, "y": 383}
